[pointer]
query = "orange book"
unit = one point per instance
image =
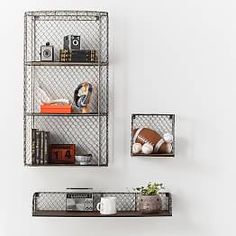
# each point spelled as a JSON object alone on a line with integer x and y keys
{"x": 56, "y": 108}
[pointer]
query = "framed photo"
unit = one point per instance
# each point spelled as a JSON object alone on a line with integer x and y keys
{"x": 79, "y": 202}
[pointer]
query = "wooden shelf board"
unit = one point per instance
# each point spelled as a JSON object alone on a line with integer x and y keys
{"x": 64, "y": 114}
{"x": 63, "y": 165}
{"x": 59, "y": 63}
{"x": 154, "y": 155}
{"x": 97, "y": 214}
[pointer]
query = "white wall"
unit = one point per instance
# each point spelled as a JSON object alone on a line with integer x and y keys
{"x": 166, "y": 56}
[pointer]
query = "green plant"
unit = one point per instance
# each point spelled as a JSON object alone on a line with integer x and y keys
{"x": 151, "y": 189}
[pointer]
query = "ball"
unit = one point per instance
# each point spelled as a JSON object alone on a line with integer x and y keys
{"x": 146, "y": 135}
{"x": 147, "y": 148}
{"x": 168, "y": 137}
{"x": 136, "y": 148}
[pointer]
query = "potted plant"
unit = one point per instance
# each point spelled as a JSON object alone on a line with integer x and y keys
{"x": 150, "y": 200}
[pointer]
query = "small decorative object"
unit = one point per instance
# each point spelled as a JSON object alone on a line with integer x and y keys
{"x": 107, "y": 206}
{"x": 150, "y": 201}
{"x": 161, "y": 145}
{"x": 79, "y": 201}
{"x": 62, "y": 153}
{"x": 72, "y": 42}
{"x": 83, "y": 160}
{"x": 137, "y": 148}
{"x": 46, "y": 99}
{"x": 65, "y": 55}
{"x": 147, "y": 148}
{"x": 82, "y": 96}
{"x": 47, "y": 52}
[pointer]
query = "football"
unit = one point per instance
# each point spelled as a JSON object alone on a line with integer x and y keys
{"x": 161, "y": 145}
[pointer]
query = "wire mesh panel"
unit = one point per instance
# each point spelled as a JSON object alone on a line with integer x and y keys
{"x": 49, "y": 201}
{"x": 159, "y": 123}
{"x": 59, "y": 80}
{"x": 52, "y": 26}
{"x": 125, "y": 202}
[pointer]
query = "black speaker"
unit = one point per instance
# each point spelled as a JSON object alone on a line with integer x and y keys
{"x": 72, "y": 42}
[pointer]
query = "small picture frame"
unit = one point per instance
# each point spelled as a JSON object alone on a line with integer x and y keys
{"x": 79, "y": 201}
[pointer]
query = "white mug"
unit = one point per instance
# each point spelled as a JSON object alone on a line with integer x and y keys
{"x": 107, "y": 206}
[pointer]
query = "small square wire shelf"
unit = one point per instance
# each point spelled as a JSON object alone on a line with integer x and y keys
{"x": 161, "y": 123}
{"x": 54, "y": 204}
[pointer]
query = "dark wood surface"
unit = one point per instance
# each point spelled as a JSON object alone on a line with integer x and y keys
{"x": 65, "y": 114}
{"x": 63, "y": 165}
{"x": 97, "y": 214}
{"x": 58, "y": 63}
{"x": 153, "y": 155}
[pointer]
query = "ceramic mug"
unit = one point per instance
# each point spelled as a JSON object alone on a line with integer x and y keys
{"x": 107, "y": 206}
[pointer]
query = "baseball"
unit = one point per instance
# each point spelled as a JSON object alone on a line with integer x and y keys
{"x": 168, "y": 137}
{"x": 147, "y": 148}
{"x": 137, "y": 147}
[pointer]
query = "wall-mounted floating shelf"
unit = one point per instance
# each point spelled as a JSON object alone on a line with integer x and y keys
{"x": 53, "y": 204}
{"x": 158, "y": 123}
{"x": 59, "y": 79}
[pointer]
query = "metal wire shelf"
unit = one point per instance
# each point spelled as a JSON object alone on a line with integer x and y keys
{"x": 58, "y": 63}
{"x": 53, "y": 204}
{"x": 59, "y": 79}
{"x": 66, "y": 114}
{"x": 161, "y": 123}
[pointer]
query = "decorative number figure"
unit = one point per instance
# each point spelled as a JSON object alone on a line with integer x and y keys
{"x": 62, "y": 154}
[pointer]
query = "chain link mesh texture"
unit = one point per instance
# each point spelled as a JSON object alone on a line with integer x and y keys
{"x": 161, "y": 123}
{"x": 42, "y": 27}
{"x": 125, "y": 201}
{"x": 89, "y": 133}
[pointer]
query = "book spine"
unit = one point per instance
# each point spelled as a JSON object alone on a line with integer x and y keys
{"x": 38, "y": 149}
{"x": 34, "y": 146}
{"x": 46, "y": 147}
{"x": 42, "y": 147}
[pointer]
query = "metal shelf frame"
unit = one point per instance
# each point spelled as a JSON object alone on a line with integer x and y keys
{"x": 59, "y": 79}
{"x": 53, "y": 204}
{"x": 161, "y": 122}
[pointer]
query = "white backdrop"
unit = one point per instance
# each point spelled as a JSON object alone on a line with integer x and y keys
{"x": 166, "y": 56}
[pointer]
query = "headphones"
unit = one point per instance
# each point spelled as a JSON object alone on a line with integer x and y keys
{"x": 83, "y": 100}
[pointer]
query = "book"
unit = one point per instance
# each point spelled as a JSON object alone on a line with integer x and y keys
{"x": 46, "y": 147}
{"x": 42, "y": 147}
{"x": 38, "y": 147}
{"x": 33, "y": 146}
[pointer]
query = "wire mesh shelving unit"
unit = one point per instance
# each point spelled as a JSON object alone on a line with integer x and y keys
{"x": 89, "y": 132}
{"x": 53, "y": 204}
{"x": 161, "y": 123}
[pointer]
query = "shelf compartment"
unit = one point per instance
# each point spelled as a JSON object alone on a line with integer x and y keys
{"x": 161, "y": 123}
{"x": 88, "y": 133}
{"x": 58, "y": 63}
{"x": 61, "y": 82}
{"x": 52, "y": 26}
{"x": 53, "y": 204}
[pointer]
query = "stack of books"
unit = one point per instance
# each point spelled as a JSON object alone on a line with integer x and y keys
{"x": 40, "y": 147}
